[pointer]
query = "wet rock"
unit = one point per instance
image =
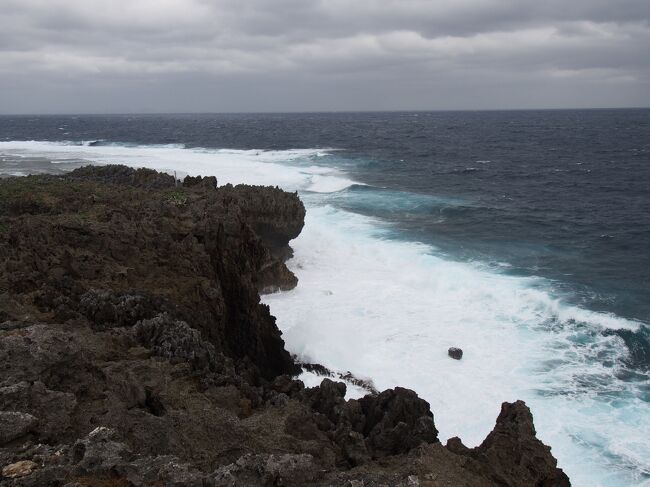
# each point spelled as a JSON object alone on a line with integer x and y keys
{"x": 317, "y": 369}
{"x": 348, "y": 376}
{"x": 14, "y": 425}
{"x": 455, "y": 353}
{"x": 274, "y": 277}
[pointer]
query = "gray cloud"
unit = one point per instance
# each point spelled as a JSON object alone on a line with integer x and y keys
{"x": 231, "y": 55}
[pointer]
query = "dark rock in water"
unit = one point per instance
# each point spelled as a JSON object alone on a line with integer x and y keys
{"x": 275, "y": 277}
{"x": 317, "y": 369}
{"x": 135, "y": 351}
{"x": 455, "y": 353}
{"x": 348, "y": 376}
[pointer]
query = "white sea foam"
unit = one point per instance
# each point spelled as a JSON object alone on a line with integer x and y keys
{"x": 279, "y": 168}
{"x": 388, "y": 310}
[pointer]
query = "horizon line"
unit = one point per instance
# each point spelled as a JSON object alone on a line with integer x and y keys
{"x": 298, "y": 112}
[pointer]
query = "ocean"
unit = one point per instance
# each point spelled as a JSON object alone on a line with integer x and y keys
{"x": 522, "y": 237}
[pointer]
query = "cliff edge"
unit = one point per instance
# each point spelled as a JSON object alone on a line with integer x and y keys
{"x": 135, "y": 351}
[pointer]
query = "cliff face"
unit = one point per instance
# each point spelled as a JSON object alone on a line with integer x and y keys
{"x": 134, "y": 350}
{"x": 114, "y": 254}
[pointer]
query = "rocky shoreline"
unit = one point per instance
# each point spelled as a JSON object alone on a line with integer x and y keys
{"x": 135, "y": 351}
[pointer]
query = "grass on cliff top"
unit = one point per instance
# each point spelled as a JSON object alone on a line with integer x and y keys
{"x": 25, "y": 195}
{"x": 53, "y": 195}
{"x": 178, "y": 198}
{"x": 32, "y": 187}
{"x": 38, "y": 195}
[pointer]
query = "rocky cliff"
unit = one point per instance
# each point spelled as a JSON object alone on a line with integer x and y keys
{"x": 134, "y": 350}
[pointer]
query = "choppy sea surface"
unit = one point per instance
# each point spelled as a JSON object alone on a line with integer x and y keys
{"x": 522, "y": 237}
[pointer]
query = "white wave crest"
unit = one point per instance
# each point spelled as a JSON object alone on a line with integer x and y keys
{"x": 289, "y": 169}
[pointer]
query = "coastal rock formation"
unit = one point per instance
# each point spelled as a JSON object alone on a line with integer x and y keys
{"x": 455, "y": 353}
{"x": 114, "y": 245}
{"x": 134, "y": 351}
{"x": 511, "y": 453}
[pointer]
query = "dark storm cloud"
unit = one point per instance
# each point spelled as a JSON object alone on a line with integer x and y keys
{"x": 171, "y": 55}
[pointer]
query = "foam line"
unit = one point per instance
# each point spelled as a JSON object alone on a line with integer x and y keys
{"x": 290, "y": 169}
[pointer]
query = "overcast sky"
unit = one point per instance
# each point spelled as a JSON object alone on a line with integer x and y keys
{"x": 106, "y": 56}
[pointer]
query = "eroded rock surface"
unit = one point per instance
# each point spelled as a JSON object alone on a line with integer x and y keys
{"x": 512, "y": 453}
{"x": 134, "y": 351}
